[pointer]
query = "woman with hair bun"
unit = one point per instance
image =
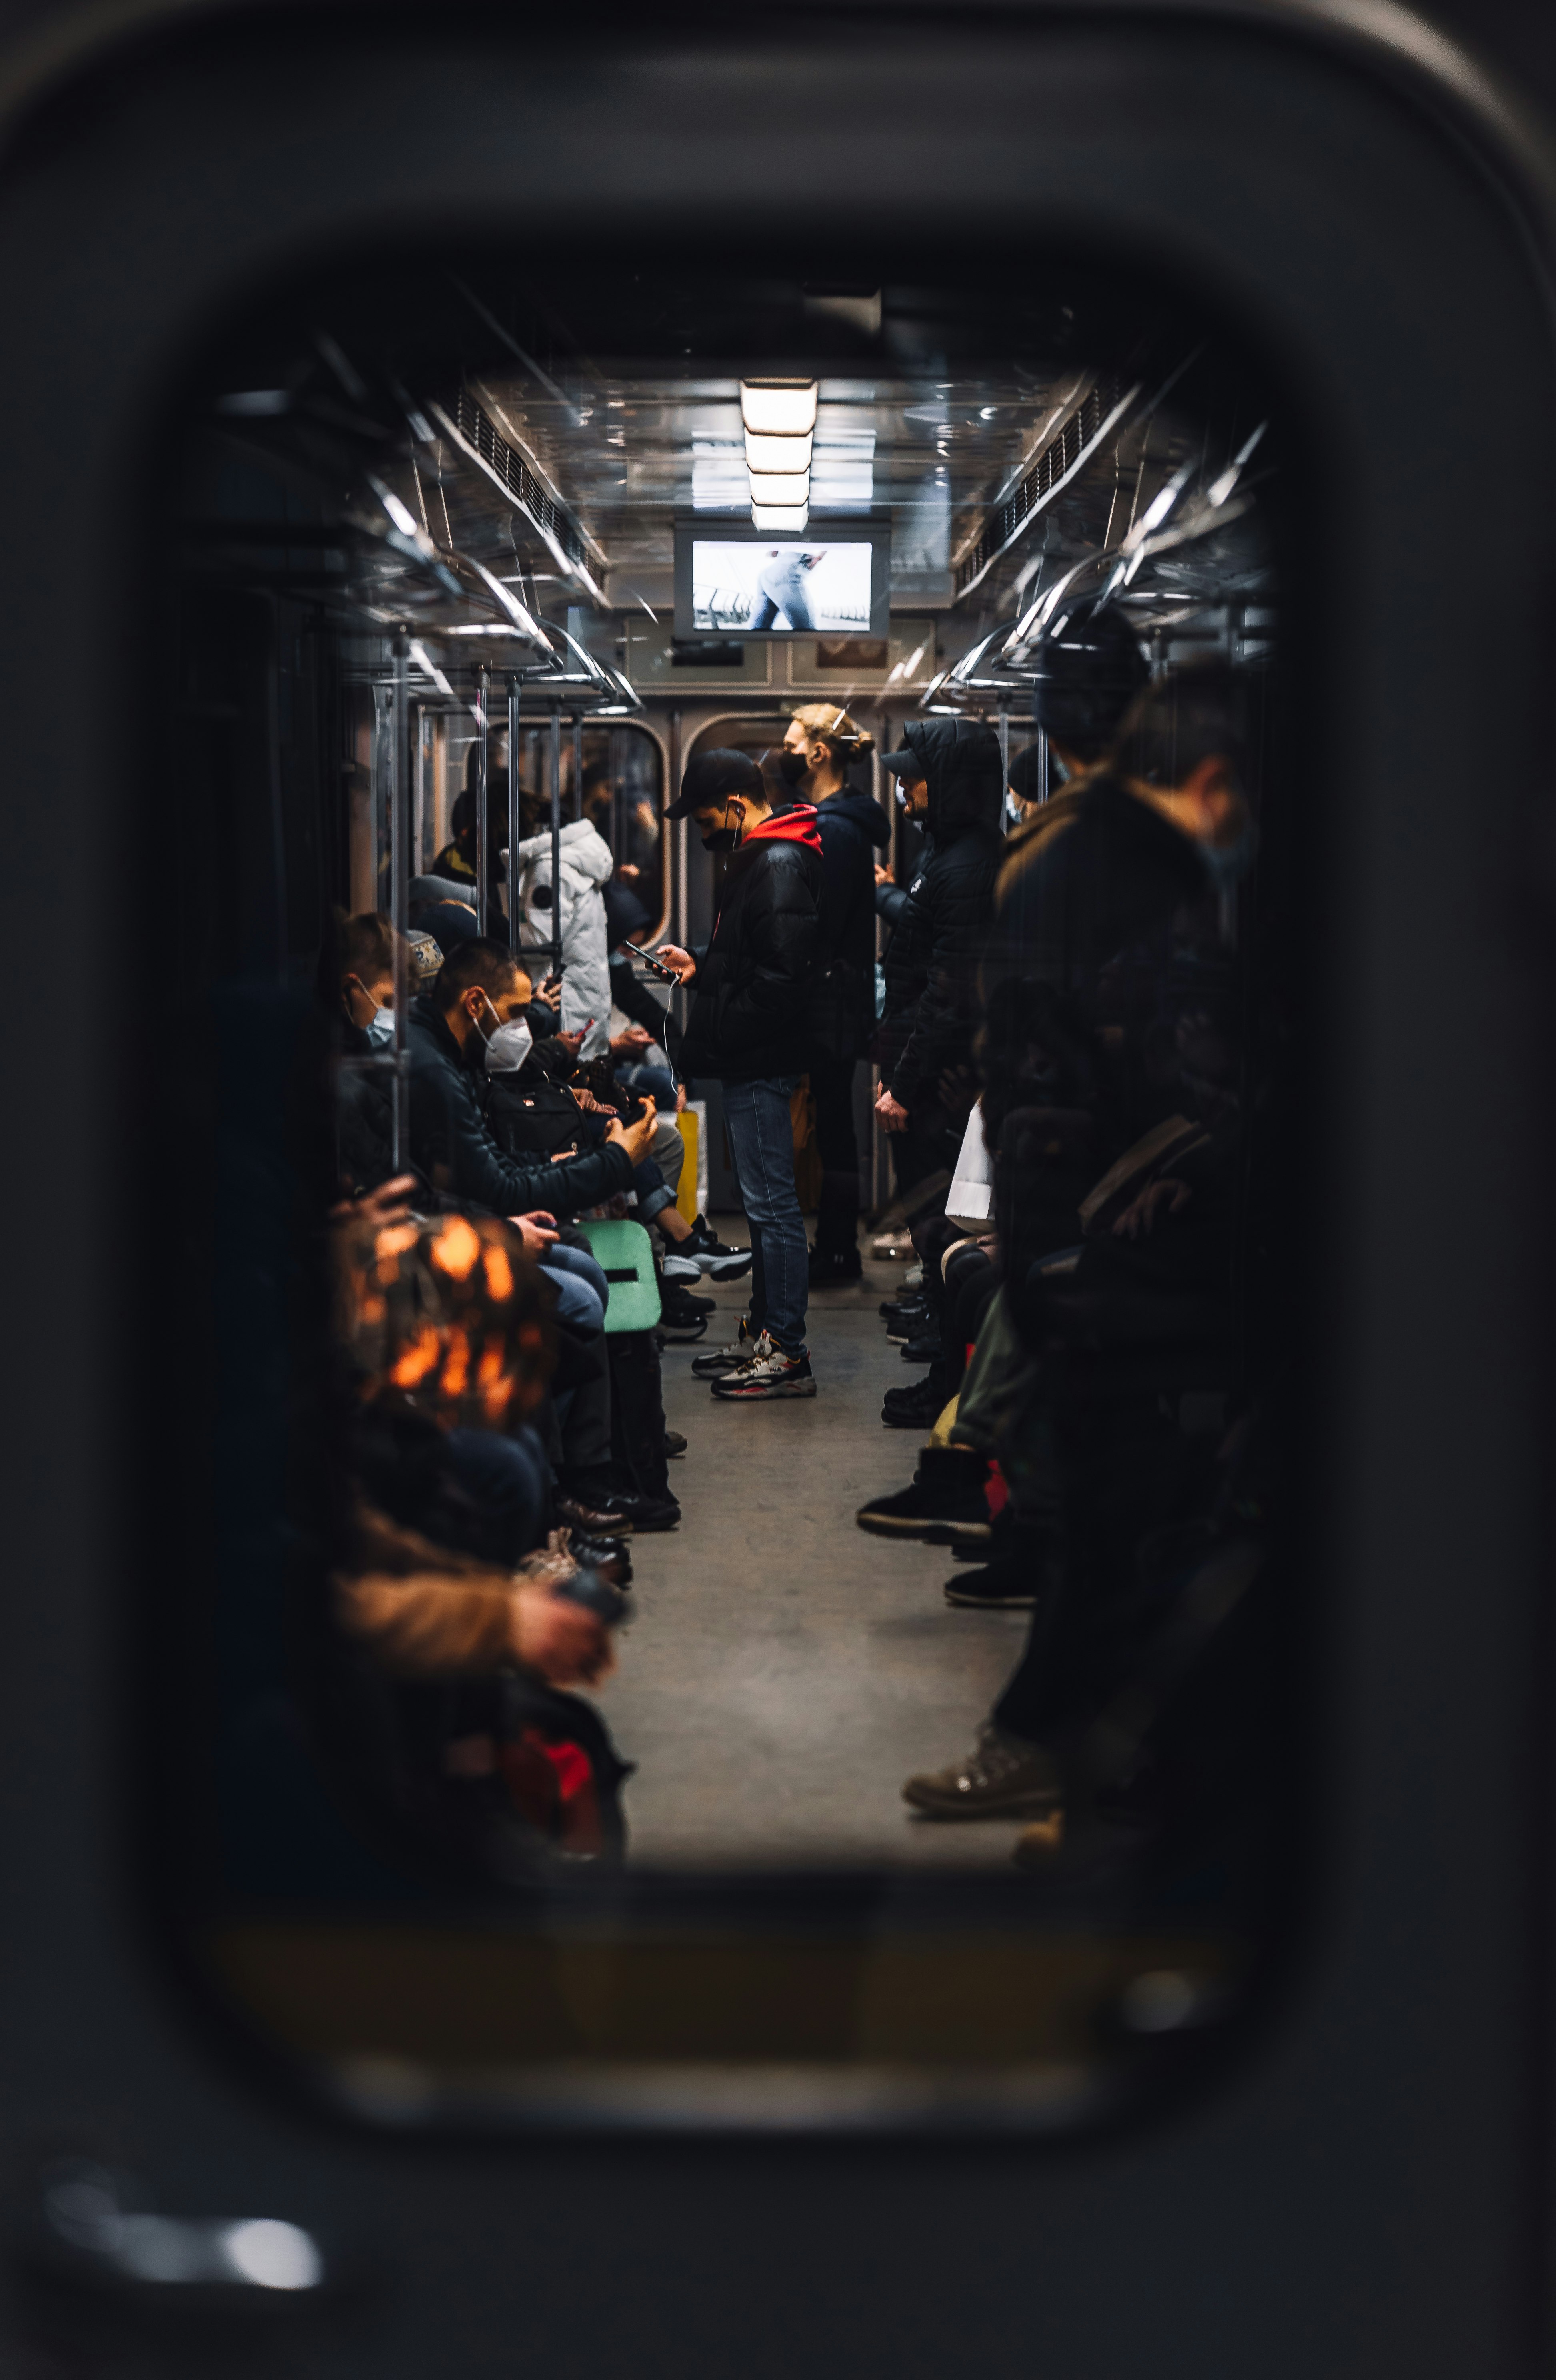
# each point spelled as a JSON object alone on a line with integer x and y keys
{"x": 820, "y": 745}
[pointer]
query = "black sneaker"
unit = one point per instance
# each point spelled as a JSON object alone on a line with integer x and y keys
{"x": 947, "y": 1486}
{"x": 895, "y": 1309}
{"x": 713, "y": 1255}
{"x": 719, "y": 1360}
{"x": 922, "y": 1349}
{"x": 675, "y": 1444}
{"x": 681, "y": 1316}
{"x": 830, "y": 1267}
{"x": 768, "y": 1372}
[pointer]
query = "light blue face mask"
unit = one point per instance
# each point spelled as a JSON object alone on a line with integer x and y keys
{"x": 379, "y": 1028}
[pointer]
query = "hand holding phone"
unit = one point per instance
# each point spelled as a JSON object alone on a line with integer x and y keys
{"x": 654, "y": 966}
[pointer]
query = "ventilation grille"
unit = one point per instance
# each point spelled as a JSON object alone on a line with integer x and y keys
{"x": 510, "y": 467}
{"x": 1064, "y": 451}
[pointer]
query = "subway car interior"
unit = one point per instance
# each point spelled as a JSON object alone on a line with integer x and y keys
{"x": 746, "y": 866}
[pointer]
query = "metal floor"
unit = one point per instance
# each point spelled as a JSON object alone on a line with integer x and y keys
{"x": 784, "y": 1671}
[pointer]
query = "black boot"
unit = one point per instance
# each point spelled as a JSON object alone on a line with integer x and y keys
{"x": 1014, "y": 1580}
{"x": 947, "y": 1486}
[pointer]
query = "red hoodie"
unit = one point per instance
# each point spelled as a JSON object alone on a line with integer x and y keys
{"x": 797, "y": 825}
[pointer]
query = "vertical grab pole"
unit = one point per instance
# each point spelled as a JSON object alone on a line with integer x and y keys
{"x": 484, "y": 860}
{"x": 680, "y": 920}
{"x": 1043, "y": 786}
{"x": 556, "y": 837}
{"x": 401, "y": 830}
{"x": 1005, "y": 756}
{"x": 515, "y": 829}
{"x": 577, "y": 764}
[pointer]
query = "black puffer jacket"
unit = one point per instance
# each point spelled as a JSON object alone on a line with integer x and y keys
{"x": 853, "y": 828}
{"x": 931, "y": 961}
{"x": 753, "y": 987}
{"x": 454, "y": 1146}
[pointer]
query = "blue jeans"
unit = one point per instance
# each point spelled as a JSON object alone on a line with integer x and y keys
{"x": 761, "y": 1147}
{"x": 582, "y": 1291}
{"x": 510, "y": 1479}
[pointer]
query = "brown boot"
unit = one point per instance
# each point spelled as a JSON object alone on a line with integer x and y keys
{"x": 1002, "y": 1778}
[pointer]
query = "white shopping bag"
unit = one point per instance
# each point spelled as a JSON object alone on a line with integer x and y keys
{"x": 972, "y": 1197}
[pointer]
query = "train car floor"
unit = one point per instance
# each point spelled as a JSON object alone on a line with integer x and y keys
{"x": 784, "y": 1671}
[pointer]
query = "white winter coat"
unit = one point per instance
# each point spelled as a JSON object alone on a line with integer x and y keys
{"x": 586, "y": 974}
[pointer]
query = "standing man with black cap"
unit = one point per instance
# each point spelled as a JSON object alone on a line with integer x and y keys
{"x": 748, "y": 1029}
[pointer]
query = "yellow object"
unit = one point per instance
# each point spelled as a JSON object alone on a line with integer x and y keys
{"x": 685, "y": 1196}
{"x": 941, "y": 1434}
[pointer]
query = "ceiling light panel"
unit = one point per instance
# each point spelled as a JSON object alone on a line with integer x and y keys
{"x": 780, "y": 487}
{"x": 767, "y": 453}
{"x": 779, "y": 408}
{"x": 779, "y": 517}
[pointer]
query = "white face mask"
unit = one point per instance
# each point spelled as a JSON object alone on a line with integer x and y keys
{"x": 379, "y": 1028}
{"x": 508, "y": 1048}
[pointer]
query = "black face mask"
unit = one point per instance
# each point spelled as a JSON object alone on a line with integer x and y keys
{"x": 792, "y": 766}
{"x": 721, "y": 839}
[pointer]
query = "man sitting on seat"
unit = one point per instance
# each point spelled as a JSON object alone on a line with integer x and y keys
{"x": 480, "y": 990}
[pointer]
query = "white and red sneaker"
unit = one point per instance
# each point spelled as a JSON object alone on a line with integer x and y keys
{"x": 768, "y": 1372}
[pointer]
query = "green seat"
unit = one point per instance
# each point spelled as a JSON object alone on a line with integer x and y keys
{"x": 623, "y": 1253}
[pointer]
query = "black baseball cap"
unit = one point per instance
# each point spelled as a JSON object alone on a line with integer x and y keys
{"x": 710, "y": 779}
{"x": 909, "y": 762}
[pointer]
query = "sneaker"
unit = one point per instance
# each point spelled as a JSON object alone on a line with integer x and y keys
{"x": 675, "y": 1444}
{"x": 1003, "y": 1776}
{"x": 704, "y": 1248}
{"x": 768, "y": 1372}
{"x": 830, "y": 1267}
{"x": 947, "y": 1486}
{"x": 893, "y": 1309}
{"x": 719, "y": 1360}
{"x": 681, "y": 1317}
{"x": 679, "y": 1268}
{"x": 921, "y": 1350}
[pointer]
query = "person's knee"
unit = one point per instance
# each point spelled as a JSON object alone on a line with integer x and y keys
{"x": 669, "y": 1152}
{"x": 579, "y": 1306}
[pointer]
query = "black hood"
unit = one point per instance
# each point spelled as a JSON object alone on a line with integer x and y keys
{"x": 861, "y": 811}
{"x": 963, "y": 770}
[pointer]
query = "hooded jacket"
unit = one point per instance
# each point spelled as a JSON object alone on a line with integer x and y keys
{"x": 754, "y": 985}
{"x": 853, "y": 828}
{"x": 931, "y": 962}
{"x": 586, "y": 975}
{"x": 454, "y": 1146}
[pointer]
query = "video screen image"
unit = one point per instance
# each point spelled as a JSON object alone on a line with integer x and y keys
{"x": 797, "y": 589}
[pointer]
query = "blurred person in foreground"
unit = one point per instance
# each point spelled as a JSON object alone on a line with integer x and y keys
{"x": 444, "y": 1331}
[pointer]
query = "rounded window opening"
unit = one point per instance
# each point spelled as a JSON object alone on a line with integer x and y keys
{"x": 754, "y": 858}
